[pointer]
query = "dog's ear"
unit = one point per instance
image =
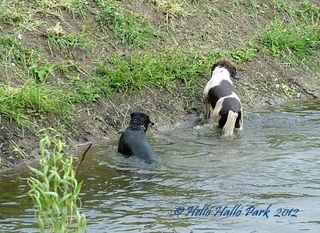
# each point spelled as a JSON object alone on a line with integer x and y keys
{"x": 236, "y": 76}
{"x": 150, "y": 122}
{"x": 133, "y": 114}
{"x": 147, "y": 122}
{"x": 233, "y": 72}
{"x": 214, "y": 66}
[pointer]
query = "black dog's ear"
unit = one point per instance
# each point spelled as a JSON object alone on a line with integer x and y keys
{"x": 133, "y": 114}
{"x": 149, "y": 121}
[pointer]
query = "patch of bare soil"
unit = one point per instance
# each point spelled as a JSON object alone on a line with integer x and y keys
{"x": 274, "y": 82}
{"x": 17, "y": 146}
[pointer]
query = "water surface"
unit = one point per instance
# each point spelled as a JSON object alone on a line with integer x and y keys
{"x": 274, "y": 162}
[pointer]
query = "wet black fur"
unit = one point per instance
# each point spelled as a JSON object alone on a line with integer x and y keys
{"x": 233, "y": 105}
{"x": 133, "y": 141}
{"x": 225, "y": 88}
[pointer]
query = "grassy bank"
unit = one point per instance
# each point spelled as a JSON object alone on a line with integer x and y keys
{"x": 59, "y": 57}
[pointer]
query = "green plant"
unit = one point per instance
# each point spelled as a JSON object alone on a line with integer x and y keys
{"x": 290, "y": 42}
{"x": 309, "y": 12}
{"x": 41, "y": 72}
{"x": 9, "y": 12}
{"x": 300, "y": 13}
{"x": 55, "y": 190}
{"x": 245, "y": 54}
{"x": 17, "y": 102}
{"x": 128, "y": 27}
{"x": 155, "y": 69}
{"x": 89, "y": 91}
{"x": 14, "y": 52}
{"x": 61, "y": 40}
{"x": 283, "y": 7}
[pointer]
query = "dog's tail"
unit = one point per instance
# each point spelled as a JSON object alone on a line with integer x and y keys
{"x": 230, "y": 124}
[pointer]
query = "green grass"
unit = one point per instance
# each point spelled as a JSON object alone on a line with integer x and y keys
{"x": 9, "y": 11}
{"x": 141, "y": 70}
{"x": 309, "y": 13}
{"x": 245, "y": 53}
{"x": 155, "y": 69}
{"x": 58, "y": 39}
{"x": 290, "y": 43}
{"x": 18, "y": 14}
{"x": 14, "y": 52}
{"x": 31, "y": 99}
{"x": 128, "y": 27}
{"x": 87, "y": 91}
{"x": 26, "y": 62}
{"x": 294, "y": 39}
{"x": 303, "y": 11}
{"x": 41, "y": 72}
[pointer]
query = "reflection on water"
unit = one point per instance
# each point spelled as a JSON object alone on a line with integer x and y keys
{"x": 275, "y": 160}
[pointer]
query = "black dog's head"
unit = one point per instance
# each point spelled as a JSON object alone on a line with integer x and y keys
{"x": 228, "y": 65}
{"x": 140, "y": 120}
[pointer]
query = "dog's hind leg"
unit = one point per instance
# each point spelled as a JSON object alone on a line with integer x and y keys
{"x": 229, "y": 126}
{"x": 239, "y": 123}
{"x": 206, "y": 110}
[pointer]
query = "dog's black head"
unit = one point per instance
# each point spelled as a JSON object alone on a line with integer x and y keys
{"x": 228, "y": 65}
{"x": 140, "y": 120}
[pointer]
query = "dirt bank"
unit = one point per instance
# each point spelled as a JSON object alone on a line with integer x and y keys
{"x": 105, "y": 119}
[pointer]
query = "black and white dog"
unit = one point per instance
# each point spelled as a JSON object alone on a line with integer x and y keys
{"x": 219, "y": 93}
{"x": 133, "y": 141}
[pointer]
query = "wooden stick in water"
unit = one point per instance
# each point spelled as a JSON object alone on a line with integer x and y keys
{"x": 83, "y": 155}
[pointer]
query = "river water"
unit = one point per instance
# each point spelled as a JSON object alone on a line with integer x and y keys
{"x": 265, "y": 179}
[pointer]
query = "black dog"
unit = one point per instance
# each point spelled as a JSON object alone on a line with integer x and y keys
{"x": 133, "y": 140}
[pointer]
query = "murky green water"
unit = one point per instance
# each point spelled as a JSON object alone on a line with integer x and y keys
{"x": 275, "y": 161}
